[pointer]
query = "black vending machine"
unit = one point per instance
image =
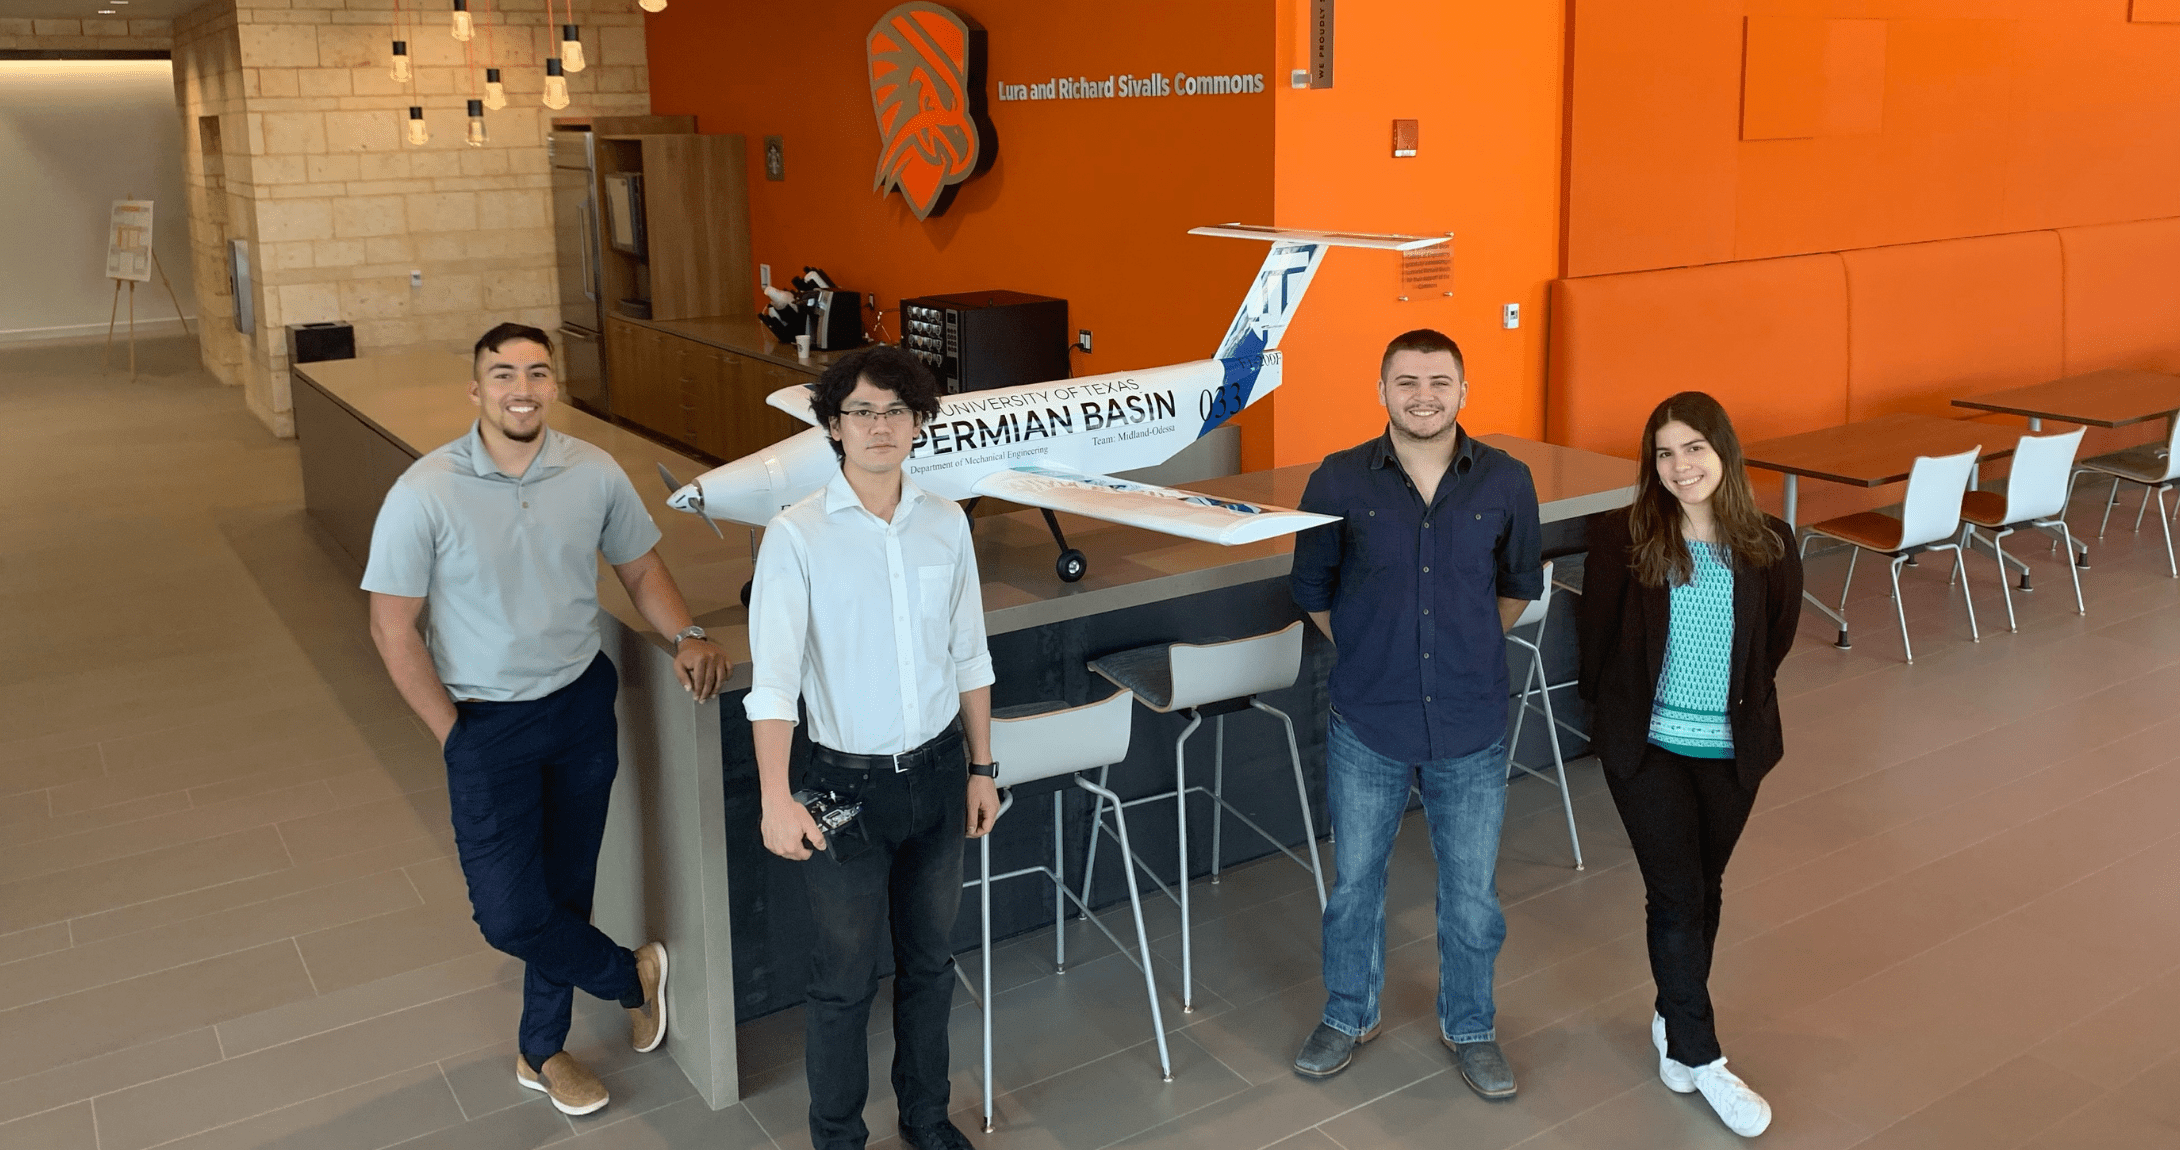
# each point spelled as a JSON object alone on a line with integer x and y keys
{"x": 979, "y": 340}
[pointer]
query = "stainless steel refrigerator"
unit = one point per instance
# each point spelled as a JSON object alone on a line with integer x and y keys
{"x": 582, "y": 310}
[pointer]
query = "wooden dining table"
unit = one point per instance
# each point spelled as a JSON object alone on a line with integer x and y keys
{"x": 1870, "y": 453}
{"x": 2114, "y": 398}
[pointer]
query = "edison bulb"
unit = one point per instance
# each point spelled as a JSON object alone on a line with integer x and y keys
{"x": 556, "y": 86}
{"x": 475, "y": 137}
{"x": 571, "y": 48}
{"x": 419, "y": 132}
{"x": 495, "y": 93}
{"x": 400, "y": 71}
{"x": 652, "y": 5}
{"x": 463, "y": 27}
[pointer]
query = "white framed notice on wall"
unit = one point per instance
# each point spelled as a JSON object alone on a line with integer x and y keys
{"x": 128, "y": 241}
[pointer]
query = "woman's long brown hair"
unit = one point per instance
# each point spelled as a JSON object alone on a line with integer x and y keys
{"x": 1659, "y": 555}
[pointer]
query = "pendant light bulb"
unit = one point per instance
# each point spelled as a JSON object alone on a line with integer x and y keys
{"x": 652, "y": 5}
{"x": 495, "y": 93}
{"x": 464, "y": 28}
{"x": 475, "y": 137}
{"x": 571, "y": 48}
{"x": 419, "y": 131}
{"x": 400, "y": 71}
{"x": 556, "y": 86}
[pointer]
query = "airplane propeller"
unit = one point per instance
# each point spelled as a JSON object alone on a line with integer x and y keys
{"x": 696, "y": 500}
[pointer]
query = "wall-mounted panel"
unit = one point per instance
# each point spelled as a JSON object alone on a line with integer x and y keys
{"x": 1928, "y": 322}
{"x": 1768, "y": 338}
{"x": 2122, "y": 293}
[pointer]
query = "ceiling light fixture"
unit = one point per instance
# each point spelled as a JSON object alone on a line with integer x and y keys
{"x": 464, "y": 28}
{"x": 571, "y": 48}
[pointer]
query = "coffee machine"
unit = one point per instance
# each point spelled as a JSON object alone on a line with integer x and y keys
{"x": 830, "y": 315}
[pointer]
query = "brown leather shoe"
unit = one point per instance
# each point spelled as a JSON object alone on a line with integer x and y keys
{"x": 570, "y": 1084}
{"x": 647, "y": 1023}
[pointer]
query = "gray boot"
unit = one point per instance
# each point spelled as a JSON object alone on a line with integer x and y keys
{"x": 1328, "y": 1051}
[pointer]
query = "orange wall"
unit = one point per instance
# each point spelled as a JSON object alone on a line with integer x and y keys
{"x": 1485, "y": 80}
{"x": 1948, "y": 118}
{"x": 1089, "y": 200}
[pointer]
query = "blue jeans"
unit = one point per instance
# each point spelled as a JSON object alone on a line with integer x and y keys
{"x": 528, "y": 784}
{"x": 1464, "y": 801}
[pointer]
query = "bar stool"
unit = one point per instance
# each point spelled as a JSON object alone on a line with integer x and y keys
{"x": 1209, "y": 680}
{"x": 1535, "y": 685}
{"x": 1042, "y": 741}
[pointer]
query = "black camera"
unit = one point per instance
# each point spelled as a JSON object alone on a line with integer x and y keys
{"x": 828, "y": 809}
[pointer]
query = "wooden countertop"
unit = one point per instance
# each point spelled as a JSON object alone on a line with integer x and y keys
{"x": 743, "y": 335}
{"x": 419, "y": 401}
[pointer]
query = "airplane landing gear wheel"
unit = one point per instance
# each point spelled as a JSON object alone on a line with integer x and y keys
{"x": 1071, "y": 565}
{"x": 746, "y": 585}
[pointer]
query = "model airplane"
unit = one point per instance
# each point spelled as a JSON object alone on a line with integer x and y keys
{"x": 1047, "y": 445}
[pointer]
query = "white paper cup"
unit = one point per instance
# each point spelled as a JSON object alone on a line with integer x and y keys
{"x": 802, "y": 346}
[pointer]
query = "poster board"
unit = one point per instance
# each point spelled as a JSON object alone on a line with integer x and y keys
{"x": 128, "y": 241}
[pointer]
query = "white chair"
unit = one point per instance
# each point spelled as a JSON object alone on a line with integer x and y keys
{"x": 1209, "y": 680}
{"x": 1929, "y": 521}
{"x": 1536, "y": 686}
{"x": 2149, "y": 466}
{"x": 2036, "y": 496}
{"x": 1044, "y": 741}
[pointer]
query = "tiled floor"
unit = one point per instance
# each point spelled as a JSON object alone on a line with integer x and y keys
{"x": 229, "y": 918}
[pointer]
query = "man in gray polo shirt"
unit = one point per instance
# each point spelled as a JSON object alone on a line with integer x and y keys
{"x": 498, "y": 533}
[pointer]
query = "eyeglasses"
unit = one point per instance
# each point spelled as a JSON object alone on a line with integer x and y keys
{"x": 872, "y": 417}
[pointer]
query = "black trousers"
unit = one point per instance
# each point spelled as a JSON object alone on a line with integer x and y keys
{"x": 899, "y": 863}
{"x": 1683, "y": 816}
{"x": 528, "y": 784}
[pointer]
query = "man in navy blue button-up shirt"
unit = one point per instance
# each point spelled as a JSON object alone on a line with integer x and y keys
{"x": 1435, "y": 557}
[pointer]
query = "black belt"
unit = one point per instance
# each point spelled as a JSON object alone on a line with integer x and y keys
{"x": 943, "y": 749}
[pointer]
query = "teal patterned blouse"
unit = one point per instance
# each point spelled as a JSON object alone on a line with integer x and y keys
{"x": 1688, "y": 716}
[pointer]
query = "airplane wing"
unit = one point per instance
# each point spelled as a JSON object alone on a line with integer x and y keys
{"x": 794, "y": 401}
{"x": 1165, "y": 509}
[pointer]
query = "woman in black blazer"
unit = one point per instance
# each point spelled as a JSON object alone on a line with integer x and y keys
{"x": 1690, "y": 600}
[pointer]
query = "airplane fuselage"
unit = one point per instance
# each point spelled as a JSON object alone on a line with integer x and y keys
{"x": 1097, "y": 424}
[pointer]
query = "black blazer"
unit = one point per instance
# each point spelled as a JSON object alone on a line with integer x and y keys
{"x": 1622, "y": 629}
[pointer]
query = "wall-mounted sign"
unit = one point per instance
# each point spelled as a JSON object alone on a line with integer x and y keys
{"x": 1130, "y": 86}
{"x": 1320, "y": 41}
{"x": 927, "y": 89}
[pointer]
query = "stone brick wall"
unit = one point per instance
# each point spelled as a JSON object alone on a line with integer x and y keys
{"x": 314, "y": 173}
{"x": 113, "y": 34}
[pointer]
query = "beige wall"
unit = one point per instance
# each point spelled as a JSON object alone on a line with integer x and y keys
{"x": 338, "y": 209}
{"x": 110, "y": 35}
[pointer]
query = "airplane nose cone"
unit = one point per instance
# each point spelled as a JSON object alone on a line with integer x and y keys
{"x": 690, "y": 498}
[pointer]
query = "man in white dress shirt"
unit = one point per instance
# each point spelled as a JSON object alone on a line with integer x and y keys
{"x": 867, "y": 607}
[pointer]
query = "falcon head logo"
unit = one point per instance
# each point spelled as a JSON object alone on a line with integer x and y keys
{"x": 927, "y": 89}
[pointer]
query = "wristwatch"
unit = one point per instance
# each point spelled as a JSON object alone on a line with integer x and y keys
{"x": 692, "y": 631}
{"x": 984, "y": 770}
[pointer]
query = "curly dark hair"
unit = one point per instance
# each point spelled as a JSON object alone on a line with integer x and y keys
{"x": 888, "y": 368}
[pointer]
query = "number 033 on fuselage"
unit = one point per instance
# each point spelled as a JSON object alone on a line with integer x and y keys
{"x": 1053, "y": 445}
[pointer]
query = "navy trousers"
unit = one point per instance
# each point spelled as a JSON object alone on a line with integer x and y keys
{"x": 528, "y": 784}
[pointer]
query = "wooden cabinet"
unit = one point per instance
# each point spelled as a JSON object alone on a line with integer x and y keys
{"x": 696, "y": 395}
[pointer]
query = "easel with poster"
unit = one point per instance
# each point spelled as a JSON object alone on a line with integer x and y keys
{"x": 130, "y": 259}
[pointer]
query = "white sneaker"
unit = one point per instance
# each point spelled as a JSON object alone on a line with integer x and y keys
{"x": 1743, "y": 1110}
{"x": 1677, "y": 1078}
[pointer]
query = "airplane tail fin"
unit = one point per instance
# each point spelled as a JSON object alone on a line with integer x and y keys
{"x": 1286, "y": 275}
